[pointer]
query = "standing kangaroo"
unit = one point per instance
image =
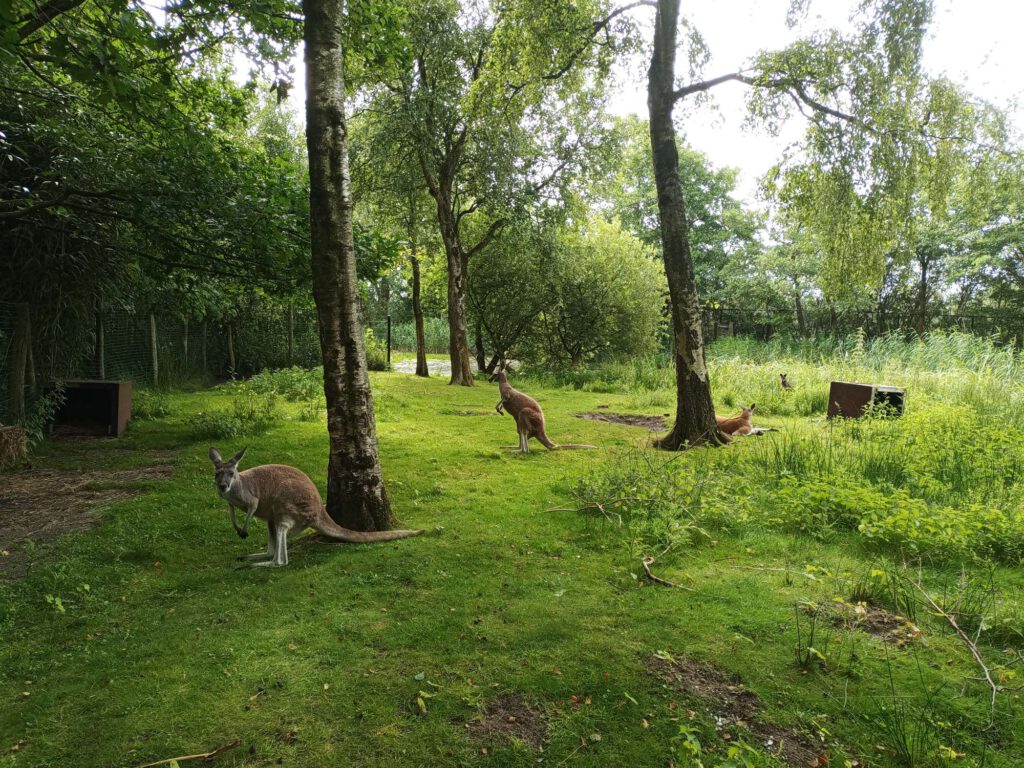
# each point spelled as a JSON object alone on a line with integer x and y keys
{"x": 784, "y": 382}
{"x": 285, "y": 498}
{"x": 527, "y": 413}
{"x": 738, "y": 425}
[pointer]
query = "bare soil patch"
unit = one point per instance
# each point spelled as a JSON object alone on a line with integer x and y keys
{"x": 457, "y": 412}
{"x": 43, "y": 504}
{"x": 878, "y": 622}
{"x": 732, "y": 704}
{"x": 653, "y": 423}
{"x": 507, "y": 718}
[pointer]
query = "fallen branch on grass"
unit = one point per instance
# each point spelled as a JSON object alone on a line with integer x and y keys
{"x": 647, "y": 563}
{"x": 951, "y": 619}
{"x": 203, "y": 756}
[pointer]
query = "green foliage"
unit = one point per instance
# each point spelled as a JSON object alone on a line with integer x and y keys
{"x": 291, "y": 383}
{"x": 252, "y": 413}
{"x": 149, "y": 404}
{"x": 376, "y": 352}
{"x": 435, "y": 332}
{"x": 41, "y": 413}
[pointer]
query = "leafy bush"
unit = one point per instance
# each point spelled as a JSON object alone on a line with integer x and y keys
{"x": 41, "y": 413}
{"x": 293, "y": 384}
{"x": 252, "y": 413}
{"x": 148, "y": 404}
{"x": 376, "y": 352}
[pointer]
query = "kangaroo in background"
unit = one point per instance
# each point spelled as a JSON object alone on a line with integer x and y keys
{"x": 527, "y": 413}
{"x": 784, "y": 381}
{"x": 738, "y": 425}
{"x": 285, "y": 498}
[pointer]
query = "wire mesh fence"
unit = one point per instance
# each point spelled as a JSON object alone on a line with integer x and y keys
{"x": 160, "y": 349}
{"x": 166, "y": 349}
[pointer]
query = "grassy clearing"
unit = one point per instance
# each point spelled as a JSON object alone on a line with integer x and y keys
{"x": 795, "y": 550}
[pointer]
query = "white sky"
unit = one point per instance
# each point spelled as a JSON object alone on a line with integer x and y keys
{"x": 973, "y": 42}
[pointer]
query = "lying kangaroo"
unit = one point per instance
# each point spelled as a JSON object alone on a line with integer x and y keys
{"x": 738, "y": 425}
{"x": 527, "y": 413}
{"x": 285, "y": 498}
{"x": 784, "y": 381}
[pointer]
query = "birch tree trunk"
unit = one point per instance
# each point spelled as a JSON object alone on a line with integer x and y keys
{"x": 356, "y": 496}
{"x": 695, "y": 413}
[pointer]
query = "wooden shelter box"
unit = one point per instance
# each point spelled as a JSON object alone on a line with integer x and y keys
{"x": 94, "y": 407}
{"x": 851, "y": 400}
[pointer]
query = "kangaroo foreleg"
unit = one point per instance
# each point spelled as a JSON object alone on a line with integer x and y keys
{"x": 500, "y": 407}
{"x": 244, "y": 533}
{"x": 234, "y": 523}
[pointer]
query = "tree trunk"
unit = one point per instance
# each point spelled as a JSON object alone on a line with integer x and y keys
{"x": 356, "y": 496}
{"x": 417, "y": 305}
{"x": 16, "y": 373}
{"x": 481, "y": 356}
{"x": 695, "y": 412}
{"x": 153, "y": 355}
{"x": 291, "y": 334}
{"x": 206, "y": 369}
{"x": 458, "y": 344}
{"x": 231, "y": 351}
{"x": 922, "y": 296}
{"x": 801, "y": 320}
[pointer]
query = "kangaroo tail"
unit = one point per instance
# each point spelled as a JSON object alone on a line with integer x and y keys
{"x": 570, "y": 446}
{"x": 546, "y": 442}
{"x": 331, "y": 529}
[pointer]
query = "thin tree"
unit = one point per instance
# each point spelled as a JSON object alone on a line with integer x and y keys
{"x": 356, "y": 496}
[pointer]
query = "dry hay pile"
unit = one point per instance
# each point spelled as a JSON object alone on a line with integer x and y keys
{"x": 13, "y": 445}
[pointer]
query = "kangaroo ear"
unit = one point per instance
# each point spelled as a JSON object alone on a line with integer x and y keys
{"x": 752, "y": 406}
{"x": 238, "y": 457}
{"x": 215, "y": 456}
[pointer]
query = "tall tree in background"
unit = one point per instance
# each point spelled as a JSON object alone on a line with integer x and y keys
{"x": 494, "y": 111}
{"x": 695, "y": 412}
{"x": 356, "y": 496}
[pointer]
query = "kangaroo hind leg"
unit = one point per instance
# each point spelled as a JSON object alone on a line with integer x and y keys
{"x": 280, "y": 557}
{"x": 271, "y": 546}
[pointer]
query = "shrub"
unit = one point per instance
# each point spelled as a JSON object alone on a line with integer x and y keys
{"x": 252, "y": 413}
{"x": 376, "y": 352}
{"x": 148, "y": 404}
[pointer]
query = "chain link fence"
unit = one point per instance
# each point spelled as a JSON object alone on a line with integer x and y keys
{"x": 159, "y": 349}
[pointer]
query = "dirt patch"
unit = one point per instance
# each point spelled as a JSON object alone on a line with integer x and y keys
{"x": 653, "y": 423}
{"x": 43, "y": 504}
{"x": 878, "y": 622}
{"x": 507, "y": 718}
{"x": 455, "y": 412}
{"x": 732, "y": 704}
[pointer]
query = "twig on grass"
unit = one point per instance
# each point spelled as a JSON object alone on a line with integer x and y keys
{"x": 951, "y": 620}
{"x": 648, "y": 561}
{"x": 203, "y": 756}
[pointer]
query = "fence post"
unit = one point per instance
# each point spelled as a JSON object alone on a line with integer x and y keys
{"x": 152, "y": 349}
{"x": 206, "y": 369}
{"x": 231, "y": 351}
{"x": 184, "y": 342}
{"x": 19, "y": 362}
{"x": 389, "y": 341}
{"x": 291, "y": 333}
{"x": 101, "y": 343}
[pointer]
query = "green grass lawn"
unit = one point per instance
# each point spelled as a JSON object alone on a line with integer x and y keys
{"x": 380, "y": 655}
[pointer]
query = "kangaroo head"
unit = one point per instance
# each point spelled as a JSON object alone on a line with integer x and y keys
{"x": 747, "y": 412}
{"x": 785, "y": 381}
{"x": 499, "y": 374}
{"x": 225, "y": 473}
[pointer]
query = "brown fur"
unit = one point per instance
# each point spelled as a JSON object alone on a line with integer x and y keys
{"x": 738, "y": 425}
{"x": 285, "y": 498}
{"x": 527, "y": 413}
